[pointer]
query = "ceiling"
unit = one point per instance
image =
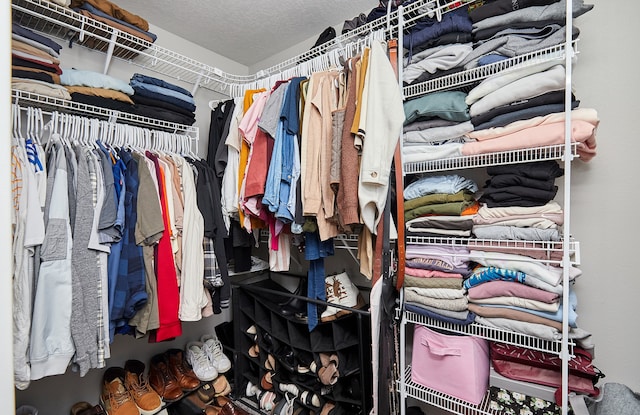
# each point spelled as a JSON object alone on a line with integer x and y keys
{"x": 247, "y": 31}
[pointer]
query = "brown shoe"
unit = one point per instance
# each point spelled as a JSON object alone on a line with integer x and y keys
{"x": 206, "y": 392}
{"x": 212, "y": 410}
{"x": 187, "y": 380}
{"x": 228, "y": 408}
{"x": 85, "y": 408}
{"x": 115, "y": 398}
{"x": 147, "y": 400}
{"x": 162, "y": 380}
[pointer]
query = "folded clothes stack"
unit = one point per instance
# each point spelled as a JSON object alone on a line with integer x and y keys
{"x": 112, "y": 15}
{"x": 162, "y": 100}
{"x": 35, "y": 63}
{"x": 97, "y": 89}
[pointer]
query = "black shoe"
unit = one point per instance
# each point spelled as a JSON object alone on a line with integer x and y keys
{"x": 301, "y": 289}
{"x": 295, "y": 307}
{"x": 286, "y": 356}
{"x": 267, "y": 341}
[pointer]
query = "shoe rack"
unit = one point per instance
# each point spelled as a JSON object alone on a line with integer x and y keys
{"x": 277, "y": 358}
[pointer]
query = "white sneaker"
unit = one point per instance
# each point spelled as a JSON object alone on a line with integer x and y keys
{"x": 197, "y": 358}
{"x": 213, "y": 348}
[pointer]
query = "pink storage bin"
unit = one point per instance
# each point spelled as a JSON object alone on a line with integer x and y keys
{"x": 455, "y": 365}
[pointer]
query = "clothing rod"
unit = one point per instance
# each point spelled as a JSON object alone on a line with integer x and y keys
{"x": 62, "y": 105}
{"x": 157, "y": 137}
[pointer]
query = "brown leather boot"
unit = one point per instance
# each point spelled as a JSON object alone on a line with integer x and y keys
{"x": 187, "y": 380}
{"x": 162, "y": 379}
{"x": 136, "y": 382}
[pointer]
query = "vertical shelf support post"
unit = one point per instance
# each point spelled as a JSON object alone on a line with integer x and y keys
{"x": 112, "y": 45}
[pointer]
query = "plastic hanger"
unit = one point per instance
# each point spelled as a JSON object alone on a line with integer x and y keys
{"x": 18, "y": 128}
{"x": 39, "y": 126}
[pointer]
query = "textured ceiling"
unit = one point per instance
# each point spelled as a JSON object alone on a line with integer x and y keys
{"x": 246, "y": 31}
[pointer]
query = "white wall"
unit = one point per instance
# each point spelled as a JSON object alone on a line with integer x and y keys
{"x": 604, "y": 196}
{"x": 288, "y": 53}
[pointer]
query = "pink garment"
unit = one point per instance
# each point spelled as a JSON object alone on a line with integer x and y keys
{"x": 509, "y": 288}
{"x": 583, "y": 133}
{"x": 249, "y": 128}
{"x": 428, "y": 273}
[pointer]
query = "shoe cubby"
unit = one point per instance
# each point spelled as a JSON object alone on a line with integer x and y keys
{"x": 348, "y": 390}
{"x": 263, "y": 316}
{"x": 299, "y": 335}
{"x": 279, "y": 328}
{"x": 321, "y": 338}
{"x": 349, "y": 359}
{"x": 247, "y": 307}
{"x": 287, "y": 338}
{"x": 345, "y": 332}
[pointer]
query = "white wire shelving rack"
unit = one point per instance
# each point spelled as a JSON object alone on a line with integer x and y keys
{"x": 567, "y": 249}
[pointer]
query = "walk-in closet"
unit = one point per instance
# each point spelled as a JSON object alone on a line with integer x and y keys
{"x": 414, "y": 207}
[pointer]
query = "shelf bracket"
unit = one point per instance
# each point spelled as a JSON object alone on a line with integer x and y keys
{"x": 112, "y": 45}
{"x": 197, "y": 83}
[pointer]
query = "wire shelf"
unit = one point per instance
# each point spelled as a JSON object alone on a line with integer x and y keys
{"x": 442, "y": 400}
{"x": 342, "y": 241}
{"x": 475, "y": 75}
{"x": 555, "y": 152}
{"x": 56, "y": 104}
{"x": 548, "y": 252}
{"x": 491, "y": 333}
{"x": 70, "y": 26}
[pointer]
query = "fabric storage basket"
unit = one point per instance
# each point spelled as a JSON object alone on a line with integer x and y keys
{"x": 455, "y": 365}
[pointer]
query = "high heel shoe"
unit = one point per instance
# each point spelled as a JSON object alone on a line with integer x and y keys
{"x": 295, "y": 305}
{"x": 301, "y": 289}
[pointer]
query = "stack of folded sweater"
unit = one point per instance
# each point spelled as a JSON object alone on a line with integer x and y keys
{"x": 504, "y": 29}
{"x": 440, "y": 206}
{"x": 112, "y": 15}
{"x": 162, "y": 100}
{"x": 523, "y": 107}
{"x": 518, "y": 206}
{"x": 435, "y": 126}
{"x": 94, "y": 88}
{"x": 433, "y": 282}
{"x": 436, "y": 46}
{"x": 35, "y": 63}
{"x": 525, "y": 184}
{"x": 530, "y": 304}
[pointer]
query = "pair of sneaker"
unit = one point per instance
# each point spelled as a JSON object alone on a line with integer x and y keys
{"x": 340, "y": 290}
{"x": 207, "y": 357}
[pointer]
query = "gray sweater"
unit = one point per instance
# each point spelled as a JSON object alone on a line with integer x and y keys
{"x": 85, "y": 274}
